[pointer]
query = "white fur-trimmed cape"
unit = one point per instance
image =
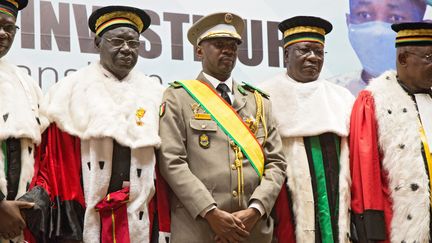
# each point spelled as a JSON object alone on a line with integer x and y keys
{"x": 96, "y": 107}
{"x": 400, "y": 148}
{"x": 19, "y": 118}
{"x": 310, "y": 109}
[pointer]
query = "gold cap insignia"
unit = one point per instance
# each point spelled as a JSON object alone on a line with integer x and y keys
{"x": 228, "y": 18}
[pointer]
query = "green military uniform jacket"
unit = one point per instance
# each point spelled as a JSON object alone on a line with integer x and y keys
{"x": 200, "y": 176}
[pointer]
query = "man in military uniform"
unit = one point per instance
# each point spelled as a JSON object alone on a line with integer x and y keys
{"x": 220, "y": 153}
{"x": 313, "y": 117}
{"x": 20, "y": 128}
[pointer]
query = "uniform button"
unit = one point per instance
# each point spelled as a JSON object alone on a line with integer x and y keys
{"x": 234, "y": 194}
{"x": 203, "y": 126}
{"x": 233, "y": 167}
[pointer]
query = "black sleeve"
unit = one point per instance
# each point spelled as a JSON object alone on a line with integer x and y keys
{"x": 37, "y": 218}
{"x": 368, "y": 226}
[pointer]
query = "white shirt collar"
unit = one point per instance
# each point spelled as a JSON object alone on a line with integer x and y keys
{"x": 215, "y": 82}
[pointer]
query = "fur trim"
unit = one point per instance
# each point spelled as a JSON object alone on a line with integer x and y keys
{"x": 164, "y": 237}
{"x": 299, "y": 182}
{"x": 399, "y": 140}
{"x": 19, "y": 99}
{"x": 96, "y": 181}
{"x": 91, "y": 103}
{"x": 344, "y": 192}
{"x": 308, "y": 103}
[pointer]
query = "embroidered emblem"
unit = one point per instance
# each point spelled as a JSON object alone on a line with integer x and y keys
{"x": 162, "y": 109}
{"x": 204, "y": 141}
{"x": 139, "y": 115}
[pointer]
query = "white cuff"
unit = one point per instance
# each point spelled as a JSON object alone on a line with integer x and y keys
{"x": 207, "y": 209}
{"x": 258, "y": 206}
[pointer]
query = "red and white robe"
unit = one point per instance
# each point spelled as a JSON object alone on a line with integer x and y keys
{"x": 88, "y": 110}
{"x": 390, "y": 182}
{"x": 19, "y": 118}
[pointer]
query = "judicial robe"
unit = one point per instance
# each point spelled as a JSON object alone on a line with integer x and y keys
{"x": 20, "y": 130}
{"x": 390, "y": 182}
{"x": 91, "y": 113}
{"x": 313, "y": 121}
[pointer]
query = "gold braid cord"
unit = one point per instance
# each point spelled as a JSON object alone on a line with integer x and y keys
{"x": 253, "y": 126}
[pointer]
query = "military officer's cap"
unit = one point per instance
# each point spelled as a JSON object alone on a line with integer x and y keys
{"x": 413, "y": 34}
{"x": 11, "y": 7}
{"x": 111, "y": 17}
{"x": 304, "y": 28}
{"x": 216, "y": 25}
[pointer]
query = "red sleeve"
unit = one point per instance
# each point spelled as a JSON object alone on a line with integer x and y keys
{"x": 58, "y": 172}
{"x": 369, "y": 201}
{"x": 159, "y": 211}
{"x": 284, "y": 221}
{"x": 60, "y": 166}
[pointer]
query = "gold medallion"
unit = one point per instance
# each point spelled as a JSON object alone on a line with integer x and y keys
{"x": 139, "y": 114}
{"x": 204, "y": 141}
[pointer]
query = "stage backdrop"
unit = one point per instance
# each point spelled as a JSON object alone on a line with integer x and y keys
{"x": 54, "y": 39}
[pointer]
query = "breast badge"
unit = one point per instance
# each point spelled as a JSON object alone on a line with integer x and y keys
{"x": 204, "y": 141}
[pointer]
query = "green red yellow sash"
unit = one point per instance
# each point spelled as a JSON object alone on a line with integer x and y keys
{"x": 228, "y": 120}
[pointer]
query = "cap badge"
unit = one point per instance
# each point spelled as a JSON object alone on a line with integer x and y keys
{"x": 228, "y": 18}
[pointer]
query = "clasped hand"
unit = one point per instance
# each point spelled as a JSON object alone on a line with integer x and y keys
{"x": 231, "y": 228}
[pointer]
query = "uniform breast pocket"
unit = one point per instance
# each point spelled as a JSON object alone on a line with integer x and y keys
{"x": 203, "y": 125}
{"x": 203, "y": 129}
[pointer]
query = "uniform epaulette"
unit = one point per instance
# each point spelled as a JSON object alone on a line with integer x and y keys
{"x": 175, "y": 85}
{"x": 252, "y": 88}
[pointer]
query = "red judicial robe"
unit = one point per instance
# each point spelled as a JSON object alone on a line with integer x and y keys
{"x": 390, "y": 185}
{"x": 92, "y": 113}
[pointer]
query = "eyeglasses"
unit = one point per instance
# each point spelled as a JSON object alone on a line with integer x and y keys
{"x": 427, "y": 57}
{"x": 307, "y": 52}
{"x": 120, "y": 42}
{"x": 9, "y": 28}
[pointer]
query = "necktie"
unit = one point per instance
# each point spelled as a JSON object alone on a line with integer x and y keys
{"x": 223, "y": 89}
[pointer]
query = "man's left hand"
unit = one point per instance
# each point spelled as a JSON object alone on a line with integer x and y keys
{"x": 249, "y": 217}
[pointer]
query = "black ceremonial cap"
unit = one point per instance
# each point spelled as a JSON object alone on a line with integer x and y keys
{"x": 413, "y": 34}
{"x": 304, "y": 28}
{"x": 11, "y": 7}
{"x": 111, "y": 17}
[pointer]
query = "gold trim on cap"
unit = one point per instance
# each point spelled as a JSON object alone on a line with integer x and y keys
{"x": 304, "y": 29}
{"x": 15, "y": 3}
{"x": 407, "y": 33}
{"x": 219, "y": 33}
{"x": 121, "y": 14}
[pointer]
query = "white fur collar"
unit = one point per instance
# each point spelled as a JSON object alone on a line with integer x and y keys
{"x": 308, "y": 109}
{"x": 400, "y": 146}
{"x": 19, "y": 100}
{"x": 91, "y": 104}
